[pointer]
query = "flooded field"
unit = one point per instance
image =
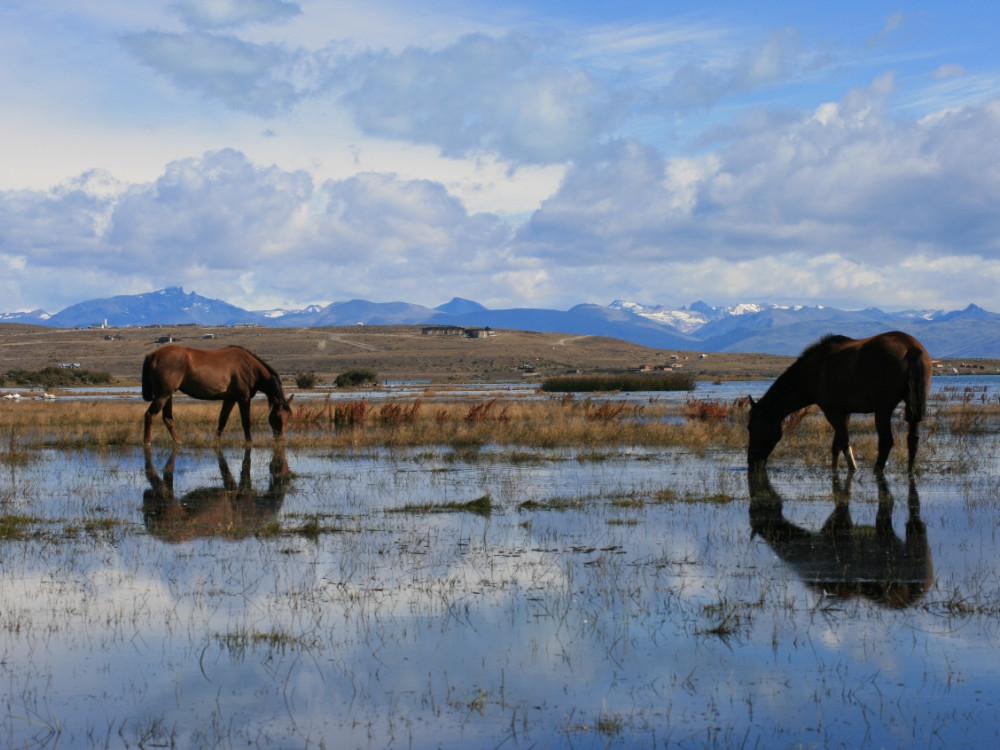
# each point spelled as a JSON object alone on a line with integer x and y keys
{"x": 446, "y": 598}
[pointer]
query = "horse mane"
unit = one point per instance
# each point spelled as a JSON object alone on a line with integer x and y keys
{"x": 275, "y": 378}
{"x": 830, "y": 338}
{"x": 795, "y": 371}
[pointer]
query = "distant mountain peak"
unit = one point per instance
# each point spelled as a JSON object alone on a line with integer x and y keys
{"x": 459, "y": 306}
{"x": 744, "y": 327}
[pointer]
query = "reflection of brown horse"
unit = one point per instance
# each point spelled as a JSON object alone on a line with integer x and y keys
{"x": 847, "y": 376}
{"x": 231, "y": 375}
{"x": 843, "y": 559}
{"x": 234, "y": 511}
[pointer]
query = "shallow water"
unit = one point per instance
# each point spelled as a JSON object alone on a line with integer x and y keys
{"x": 606, "y": 600}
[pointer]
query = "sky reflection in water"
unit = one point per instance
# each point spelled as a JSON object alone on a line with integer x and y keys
{"x": 618, "y": 601}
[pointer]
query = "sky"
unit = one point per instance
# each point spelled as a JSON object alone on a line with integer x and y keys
{"x": 280, "y": 153}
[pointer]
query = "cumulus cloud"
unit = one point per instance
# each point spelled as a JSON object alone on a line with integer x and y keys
{"x": 831, "y": 196}
{"x": 527, "y": 98}
{"x": 483, "y": 94}
{"x": 845, "y": 178}
{"x": 403, "y": 224}
{"x": 220, "y": 211}
{"x": 247, "y": 232}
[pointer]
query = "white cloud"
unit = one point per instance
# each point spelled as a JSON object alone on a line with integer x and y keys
{"x": 482, "y": 94}
{"x": 287, "y": 153}
{"x": 247, "y": 77}
{"x": 217, "y": 14}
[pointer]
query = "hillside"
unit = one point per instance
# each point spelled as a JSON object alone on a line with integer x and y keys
{"x": 394, "y": 352}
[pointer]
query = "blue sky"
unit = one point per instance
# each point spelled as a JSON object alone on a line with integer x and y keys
{"x": 277, "y": 153}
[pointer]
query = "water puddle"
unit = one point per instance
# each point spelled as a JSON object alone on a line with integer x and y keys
{"x": 431, "y": 599}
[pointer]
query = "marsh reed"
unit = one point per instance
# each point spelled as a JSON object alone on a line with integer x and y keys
{"x": 559, "y": 421}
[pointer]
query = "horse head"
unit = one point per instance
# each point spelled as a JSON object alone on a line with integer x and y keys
{"x": 280, "y": 415}
{"x": 764, "y": 432}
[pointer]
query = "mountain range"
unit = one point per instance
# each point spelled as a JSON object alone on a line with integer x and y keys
{"x": 765, "y": 328}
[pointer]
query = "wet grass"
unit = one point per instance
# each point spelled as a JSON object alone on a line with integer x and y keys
{"x": 585, "y": 425}
{"x": 242, "y": 642}
{"x": 481, "y": 506}
{"x": 17, "y": 527}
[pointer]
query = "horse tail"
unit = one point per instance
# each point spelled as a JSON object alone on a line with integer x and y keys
{"x": 147, "y": 378}
{"x": 918, "y": 379}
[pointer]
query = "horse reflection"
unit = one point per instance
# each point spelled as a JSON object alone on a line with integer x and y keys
{"x": 844, "y": 559}
{"x": 233, "y": 511}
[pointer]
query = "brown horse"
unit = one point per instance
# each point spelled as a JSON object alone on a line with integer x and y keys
{"x": 847, "y": 376}
{"x": 844, "y": 559}
{"x": 231, "y": 375}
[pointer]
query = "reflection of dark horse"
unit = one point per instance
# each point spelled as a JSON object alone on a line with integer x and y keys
{"x": 847, "y": 376}
{"x": 231, "y": 375}
{"x": 234, "y": 510}
{"x": 843, "y": 559}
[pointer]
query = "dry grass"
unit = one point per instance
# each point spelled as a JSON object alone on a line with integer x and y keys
{"x": 392, "y": 352}
{"x": 557, "y": 422}
{"x": 552, "y": 423}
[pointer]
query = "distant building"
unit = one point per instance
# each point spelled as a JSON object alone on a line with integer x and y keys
{"x": 478, "y": 333}
{"x": 442, "y": 330}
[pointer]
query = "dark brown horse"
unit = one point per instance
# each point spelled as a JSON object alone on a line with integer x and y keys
{"x": 847, "y": 376}
{"x": 231, "y": 375}
{"x": 844, "y": 559}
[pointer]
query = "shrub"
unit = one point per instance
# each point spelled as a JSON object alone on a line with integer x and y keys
{"x": 717, "y": 411}
{"x": 306, "y": 380}
{"x": 355, "y": 377}
{"x": 667, "y": 381}
{"x": 53, "y": 377}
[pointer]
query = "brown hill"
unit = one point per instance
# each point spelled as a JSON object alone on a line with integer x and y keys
{"x": 393, "y": 352}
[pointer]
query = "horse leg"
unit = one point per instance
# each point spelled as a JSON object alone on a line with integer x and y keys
{"x": 245, "y": 418}
{"x": 883, "y": 425}
{"x": 912, "y": 440}
{"x": 154, "y": 408}
{"x": 841, "y": 441}
{"x": 227, "y": 407}
{"x": 158, "y": 405}
{"x": 168, "y": 417}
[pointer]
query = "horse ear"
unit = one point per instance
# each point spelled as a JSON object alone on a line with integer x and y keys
{"x": 289, "y": 399}
{"x": 751, "y": 401}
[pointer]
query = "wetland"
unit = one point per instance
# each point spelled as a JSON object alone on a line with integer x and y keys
{"x": 500, "y": 568}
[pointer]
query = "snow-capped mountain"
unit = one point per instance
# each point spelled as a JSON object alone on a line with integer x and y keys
{"x": 683, "y": 319}
{"x": 747, "y": 327}
{"x": 279, "y": 312}
{"x": 34, "y": 316}
{"x": 691, "y": 319}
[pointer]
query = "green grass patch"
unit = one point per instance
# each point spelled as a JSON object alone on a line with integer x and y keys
{"x": 241, "y": 641}
{"x": 17, "y": 527}
{"x": 481, "y": 506}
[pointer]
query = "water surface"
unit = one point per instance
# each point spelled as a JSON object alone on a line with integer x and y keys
{"x": 620, "y": 599}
